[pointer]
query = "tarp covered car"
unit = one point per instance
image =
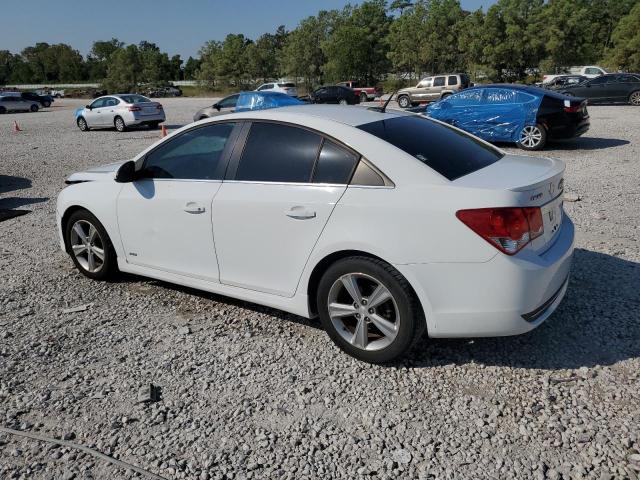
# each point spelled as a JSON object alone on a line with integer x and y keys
{"x": 263, "y": 100}
{"x": 527, "y": 116}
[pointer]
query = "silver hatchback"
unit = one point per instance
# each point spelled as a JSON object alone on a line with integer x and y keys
{"x": 12, "y": 103}
{"x": 120, "y": 111}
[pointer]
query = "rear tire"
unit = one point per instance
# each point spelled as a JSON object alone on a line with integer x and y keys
{"x": 89, "y": 246}
{"x": 383, "y": 326}
{"x": 364, "y": 97}
{"x": 343, "y": 101}
{"x": 82, "y": 125}
{"x": 46, "y": 104}
{"x": 445, "y": 95}
{"x": 404, "y": 101}
{"x": 533, "y": 137}
{"x": 3, "y": 110}
{"x": 118, "y": 122}
{"x": 34, "y": 108}
{"x": 634, "y": 98}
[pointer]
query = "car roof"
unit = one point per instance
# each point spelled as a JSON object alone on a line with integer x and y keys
{"x": 348, "y": 115}
{"x": 524, "y": 88}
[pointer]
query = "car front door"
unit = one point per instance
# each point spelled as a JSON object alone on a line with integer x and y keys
{"x": 436, "y": 89}
{"x": 109, "y": 111}
{"x": 93, "y": 114}
{"x": 268, "y": 216}
{"x": 165, "y": 215}
{"x": 594, "y": 90}
{"x": 421, "y": 92}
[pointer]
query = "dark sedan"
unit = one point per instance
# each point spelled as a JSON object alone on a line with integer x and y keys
{"x": 610, "y": 88}
{"x": 335, "y": 94}
{"x": 526, "y": 116}
{"x": 44, "y": 100}
{"x": 562, "y": 81}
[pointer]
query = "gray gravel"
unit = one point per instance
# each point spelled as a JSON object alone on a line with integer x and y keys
{"x": 243, "y": 391}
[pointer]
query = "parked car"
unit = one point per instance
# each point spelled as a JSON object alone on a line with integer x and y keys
{"x": 162, "y": 92}
{"x": 15, "y": 103}
{"x": 562, "y": 81}
{"x": 334, "y": 94}
{"x": 44, "y": 100}
{"x": 245, "y": 101}
{"x": 313, "y": 210}
{"x": 121, "y": 111}
{"x": 527, "y": 116}
{"x": 610, "y": 88}
{"x": 589, "y": 71}
{"x": 431, "y": 89}
{"x": 366, "y": 94}
{"x": 280, "y": 87}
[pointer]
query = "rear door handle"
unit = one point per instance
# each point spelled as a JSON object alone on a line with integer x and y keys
{"x": 300, "y": 213}
{"x": 193, "y": 207}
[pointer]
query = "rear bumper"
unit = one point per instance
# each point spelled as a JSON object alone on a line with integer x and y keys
{"x": 504, "y": 296}
{"x": 137, "y": 119}
{"x": 570, "y": 130}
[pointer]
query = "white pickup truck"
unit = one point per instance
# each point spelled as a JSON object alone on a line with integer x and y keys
{"x": 590, "y": 71}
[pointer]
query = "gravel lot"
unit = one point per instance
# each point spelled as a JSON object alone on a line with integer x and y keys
{"x": 250, "y": 392}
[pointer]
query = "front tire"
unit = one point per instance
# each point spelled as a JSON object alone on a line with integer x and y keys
{"x": 34, "y": 108}
{"x": 364, "y": 97}
{"x": 89, "y": 246}
{"x": 404, "y": 102}
{"x": 118, "y": 122}
{"x": 82, "y": 124}
{"x": 3, "y": 110}
{"x": 369, "y": 309}
{"x": 46, "y": 104}
{"x": 533, "y": 137}
{"x": 634, "y": 98}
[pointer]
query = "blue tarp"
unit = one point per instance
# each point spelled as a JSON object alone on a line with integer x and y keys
{"x": 263, "y": 100}
{"x": 495, "y": 113}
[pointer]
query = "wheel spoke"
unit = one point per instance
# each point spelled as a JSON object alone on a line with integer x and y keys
{"x": 80, "y": 232}
{"x": 387, "y": 328}
{"x": 78, "y": 249}
{"x": 378, "y": 297}
{"x": 92, "y": 233}
{"x": 351, "y": 285}
{"x": 91, "y": 261}
{"x": 360, "y": 337}
{"x": 98, "y": 252}
{"x": 341, "y": 310}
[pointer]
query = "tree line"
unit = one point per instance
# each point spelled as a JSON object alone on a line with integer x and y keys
{"x": 375, "y": 40}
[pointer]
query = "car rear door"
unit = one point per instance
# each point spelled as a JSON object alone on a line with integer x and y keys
{"x": 269, "y": 213}
{"x": 165, "y": 216}
{"x": 503, "y": 115}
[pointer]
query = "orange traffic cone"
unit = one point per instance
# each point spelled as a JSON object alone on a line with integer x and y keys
{"x": 163, "y": 132}
{"x": 16, "y": 127}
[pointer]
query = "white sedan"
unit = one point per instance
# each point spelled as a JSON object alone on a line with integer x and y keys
{"x": 120, "y": 111}
{"x": 382, "y": 224}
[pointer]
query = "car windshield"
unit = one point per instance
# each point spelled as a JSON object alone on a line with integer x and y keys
{"x": 448, "y": 151}
{"x": 134, "y": 99}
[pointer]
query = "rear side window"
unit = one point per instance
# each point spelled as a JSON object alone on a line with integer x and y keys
{"x": 194, "y": 155}
{"x": 453, "y": 80}
{"x": 496, "y": 96}
{"x": 465, "y": 98}
{"x": 134, "y": 99}
{"x": 335, "y": 164}
{"x": 438, "y": 82}
{"x": 450, "y": 152}
{"x": 278, "y": 153}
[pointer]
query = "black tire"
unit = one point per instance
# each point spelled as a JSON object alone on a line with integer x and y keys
{"x": 538, "y": 132}
{"x": 154, "y": 125}
{"x": 109, "y": 264}
{"x": 411, "y": 317}
{"x": 34, "y": 108}
{"x": 3, "y": 110}
{"x": 404, "y": 101}
{"x": 46, "y": 104}
{"x": 445, "y": 95}
{"x": 343, "y": 101}
{"x": 634, "y": 98}
{"x": 118, "y": 122}
{"x": 82, "y": 124}
{"x": 364, "y": 97}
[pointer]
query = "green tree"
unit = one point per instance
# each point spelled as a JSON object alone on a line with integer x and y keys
{"x": 209, "y": 59}
{"x": 605, "y": 16}
{"x": 439, "y": 51}
{"x": 123, "y": 73}
{"x": 406, "y": 38}
{"x": 625, "y": 53}
{"x": 262, "y": 58}
{"x": 98, "y": 58}
{"x": 191, "y": 68}
{"x": 471, "y": 43}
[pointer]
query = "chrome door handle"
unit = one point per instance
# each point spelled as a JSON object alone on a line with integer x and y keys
{"x": 300, "y": 213}
{"x": 193, "y": 207}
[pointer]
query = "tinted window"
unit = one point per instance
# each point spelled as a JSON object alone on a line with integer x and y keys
{"x": 194, "y": 155}
{"x": 99, "y": 103}
{"x": 449, "y": 152}
{"x": 592, "y": 71}
{"x": 287, "y": 85}
{"x": 278, "y": 153}
{"x": 628, "y": 79}
{"x": 438, "y": 82}
{"x": 426, "y": 82}
{"x": 365, "y": 175}
{"x": 229, "y": 102}
{"x": 468, "y": 97}
{"x": 599, "y": 81}
{"x": 453, "y": 80}
{"x": 335, "y": 164}
{"x": 111, "y": 102}
{"x": 134, "y": 99}
{"x": 496, "y": 96}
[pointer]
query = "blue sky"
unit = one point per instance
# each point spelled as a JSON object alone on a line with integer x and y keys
{"x": 176, "y": 26}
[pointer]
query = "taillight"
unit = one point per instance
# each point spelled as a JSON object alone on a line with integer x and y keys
{"x": 509, "y": 229}
{"x": 134, "y": 108}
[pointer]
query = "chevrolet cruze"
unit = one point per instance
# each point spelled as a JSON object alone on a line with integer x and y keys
{"x": 382, "y": 224}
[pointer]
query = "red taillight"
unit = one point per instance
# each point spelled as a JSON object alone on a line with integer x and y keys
{"x": 509, "y": 229}
{"x": 134, "y": 108}
{"x": 572, "y": 109}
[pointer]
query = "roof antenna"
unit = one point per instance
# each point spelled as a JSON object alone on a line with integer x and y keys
{"x": 383, "y": 108}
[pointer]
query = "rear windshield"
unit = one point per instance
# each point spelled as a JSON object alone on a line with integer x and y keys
{"x": 134, "y": 98}
{"x": 451, "y": 153}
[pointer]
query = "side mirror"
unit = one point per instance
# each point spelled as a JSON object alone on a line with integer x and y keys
{"x": 127, "y": 172}
{"x": 88, "y": 106}
{"x": 216, "y": 106}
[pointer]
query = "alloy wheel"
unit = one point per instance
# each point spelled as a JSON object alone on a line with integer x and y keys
{"x": 635, "y": 98}
{"x": 87, "y": 246}
{"x": 403, "y": 102}
{"x": 531, "y": 136}
{"x": 363, "y": 311}
{"x": 82, "y": 123}
{"x": 342, "y": 101}
{"x": 120, "y": 124}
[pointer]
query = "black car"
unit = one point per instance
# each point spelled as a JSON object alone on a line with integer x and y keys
{"x": 562, "y": 81}
{"x": 44, "y": 100}
{"x": 335, "y": 94}
{"x": 610, "y": 88}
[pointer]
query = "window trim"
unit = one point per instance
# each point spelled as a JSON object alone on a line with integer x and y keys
{"x": 224, "y": 157}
